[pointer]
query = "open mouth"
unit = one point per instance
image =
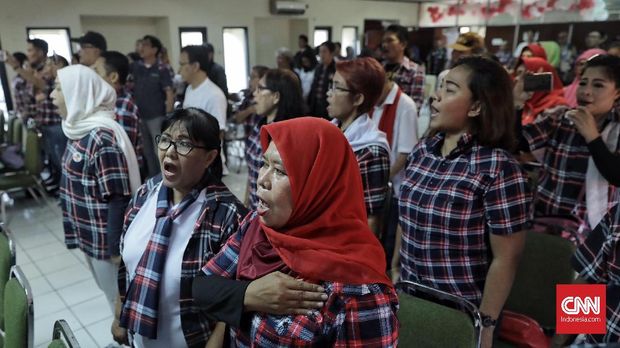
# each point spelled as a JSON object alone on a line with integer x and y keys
{"x": 434, "y": 111}
{"x": 262, "y": 207}
{"x": 169, "y": 169}
{"x": 583, "y": 102}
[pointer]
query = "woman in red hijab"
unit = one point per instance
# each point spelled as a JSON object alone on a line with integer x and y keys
{"x": 534, "y": 103}
{"x": 534, "y": 50}
{"x": 310, "y": 224}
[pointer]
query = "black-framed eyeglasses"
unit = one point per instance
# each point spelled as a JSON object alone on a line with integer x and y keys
{"x": 182, "y": 147}
{"x": 333, "y": 88}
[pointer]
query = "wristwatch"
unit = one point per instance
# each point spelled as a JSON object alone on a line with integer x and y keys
{"x": 487, "y": 321}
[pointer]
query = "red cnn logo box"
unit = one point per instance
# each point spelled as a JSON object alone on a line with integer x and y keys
{"x": 580, "y": 309}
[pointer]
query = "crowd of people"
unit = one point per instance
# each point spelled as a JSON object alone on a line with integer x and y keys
{"x": 343, "y": 198}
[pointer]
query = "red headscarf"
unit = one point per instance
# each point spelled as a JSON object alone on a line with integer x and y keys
{"x": 537, "y": 51}
{"x": 327, "y": 236}
{"x": 541, "y": 101}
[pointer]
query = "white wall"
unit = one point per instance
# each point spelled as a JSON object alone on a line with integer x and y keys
{"x": 15, "y": 16}
{"x": 121, "y": 32}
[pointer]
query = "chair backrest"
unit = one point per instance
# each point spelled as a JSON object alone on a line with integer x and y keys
{"x": 7, "y": 260}
{"x": 544, "y": 264}
{"x": 2, "y": 130}
{"x": 62, "y": 336}
{"x": 426, "y": 320}
{"x": 16, "y": 131}
{"x": 33, "y": 162}
{"x": 18, "y": 311}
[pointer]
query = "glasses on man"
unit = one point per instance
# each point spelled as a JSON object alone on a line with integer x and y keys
{"x": 334, "y": 88}
{"x": 182, "y": 147}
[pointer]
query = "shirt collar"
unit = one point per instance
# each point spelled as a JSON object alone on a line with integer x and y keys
{"x": 466, "y": 141}
{"x": 391, "y": 96}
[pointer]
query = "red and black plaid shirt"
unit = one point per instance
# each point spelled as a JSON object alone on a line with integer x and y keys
{"x": 94, "y": 169}
{"x": 24, "y": 98}
{"x": 409, "y": 76}
{"x": 254, "y": 159}
{"x": 219, "y": 218}
{"x": 43, "y": 112}
{"x": 598, "y": 262}
{"x": 561, "y": 183}
{"x": 126, "y": 112}
{"x": 353, "y": 315}
{"x": 374, "y": 163}
{"x": 449, "y": 205}
{"x": 47, "y": 113}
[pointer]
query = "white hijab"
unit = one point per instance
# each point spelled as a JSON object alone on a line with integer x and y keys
{"x": 363, "y": 132}
{"x": 90, "y": 105}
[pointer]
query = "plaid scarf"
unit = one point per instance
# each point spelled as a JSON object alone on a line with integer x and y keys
{"x": 139, "y": 314}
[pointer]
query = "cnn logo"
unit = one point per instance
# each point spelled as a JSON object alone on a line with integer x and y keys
{"x": 578, "y": 309}
{"x": 573, "y": 305}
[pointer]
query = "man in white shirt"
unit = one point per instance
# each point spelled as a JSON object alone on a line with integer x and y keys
{"x": 396, "y": 115}
{"x": 201, "y": 92}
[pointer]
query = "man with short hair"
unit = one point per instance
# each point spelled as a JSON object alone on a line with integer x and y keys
{"x": 42, "y": 111}
{"x": 201, "y": 92}
{"x": 408, "y": 75}
{"x": 302, "y": 42}
{"x": 317, "y": 98}
{"x": 595, "y": 39}
{"x": 113, "y": 67}
{"x": 92, "y": 45}
{"x": 154, "y": 95}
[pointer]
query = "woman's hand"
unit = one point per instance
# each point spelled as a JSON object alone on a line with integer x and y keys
{"x": 119, "y": 334}
{"x": 216, "y": 340}
{"x": 395, "y": 274}
{"x": 584, "y": 122}
{"x": 278, "y": 293}
{"x": 486, "y": 341}
{"x": 519, "y": 95}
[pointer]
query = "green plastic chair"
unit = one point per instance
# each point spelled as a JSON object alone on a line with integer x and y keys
{"x": 17, "y": 128}
{"x": 544, "y": 264}
{"x": 7, "y": 260}
{"x": 427, "y": 323}
{"x": 29, "y": 178}
{"x": 18, "y": 311}
{"x": 62, "y": 336}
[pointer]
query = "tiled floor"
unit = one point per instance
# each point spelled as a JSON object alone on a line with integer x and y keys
{"x": 62, "y": 286}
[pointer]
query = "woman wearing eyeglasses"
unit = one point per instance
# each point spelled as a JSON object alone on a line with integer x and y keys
{"x": 176, "y": 222}
{"x": 278, "y": 97}
{"x": 354, "y": 90}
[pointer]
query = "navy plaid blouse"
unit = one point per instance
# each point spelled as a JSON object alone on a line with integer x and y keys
{"x": 598, "y": 262}
{"x": 448, "y": 206}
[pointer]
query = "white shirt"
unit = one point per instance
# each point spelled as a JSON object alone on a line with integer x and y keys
{"x": 169, "y": 330}
{"x": 405, "y": 133}
{"x": 208, "y": 97}
{"x": 306, "y": 78}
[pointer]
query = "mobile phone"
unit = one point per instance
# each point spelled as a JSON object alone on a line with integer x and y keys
{"x": 538, "y": 82}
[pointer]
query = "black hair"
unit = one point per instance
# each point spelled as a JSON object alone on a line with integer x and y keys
{"x": 309, "y": 54}
{"x": 610, "y": 64}
{"x": 401, "y": 33}
{"x": 20, "y": 57}
{"x": 39, "y": 44}
{"x": 118, "y": 63}
{"x": 337, "y": 44}
{"x": 288, "y": 85}
{"x": 615, "y": 44}
{"x": 155, "y": 42}
{"x": 303, "y": 37}
{"x": 197, "y": 54}
{"x": 76, "y": 56}
{"x": 209, "y": 47}
{"x": 204, "y": 128}
{"x": 491, "y": 86}
{"x": 329, "y": 45}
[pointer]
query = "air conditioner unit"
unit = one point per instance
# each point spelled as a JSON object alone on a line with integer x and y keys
{"x": 288, "y": 7}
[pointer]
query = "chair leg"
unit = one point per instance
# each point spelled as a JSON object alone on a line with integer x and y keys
{"x": 44, "y": 195}
{"x": 33, "y": 194}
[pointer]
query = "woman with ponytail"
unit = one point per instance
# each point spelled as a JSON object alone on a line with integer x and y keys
{"x": 176, "y": 222}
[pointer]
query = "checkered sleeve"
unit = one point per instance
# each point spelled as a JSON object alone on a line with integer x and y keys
{"x": 374, "y": 163}
{"x": 225, "y": 262}
{"x": 369, "y": 320}
{"x": 507, "y": 200}
{"x": 111, "y": 167}
{"x": 416, "y": 91}
{"x": 591, "y": 259}
{"x": 537, "y": 134}
{"x": 24, "y": 101}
